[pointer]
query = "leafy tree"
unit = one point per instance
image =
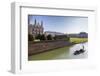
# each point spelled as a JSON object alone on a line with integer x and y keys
{"x": 42, "y": 37}
{"x": 30, "y": 37}
{"x": 68, "y": 39}
{"x": 38, "y": 36}
{"x": 49, "y": 37}
{"x": 61, "y": 37}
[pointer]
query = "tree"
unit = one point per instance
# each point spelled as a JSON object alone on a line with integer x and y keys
{"x": 42, "y": 37}
{"x": 61, "y": 37}
{"x": 38, "y": 36}
{"x": 30, "y": 37}
{"x": 49, "y": 37}
{"x": 68, "y": 38}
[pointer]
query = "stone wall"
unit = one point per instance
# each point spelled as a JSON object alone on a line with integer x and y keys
{"x": 43, "y": 46}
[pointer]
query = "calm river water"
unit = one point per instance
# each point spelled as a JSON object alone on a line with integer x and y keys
{"x": 62, "y": 53}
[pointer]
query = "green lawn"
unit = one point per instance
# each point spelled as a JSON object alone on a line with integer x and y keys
{"x": 78, "y": 40}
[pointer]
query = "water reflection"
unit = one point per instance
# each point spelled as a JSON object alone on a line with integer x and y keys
{"x": 62, "y": 53}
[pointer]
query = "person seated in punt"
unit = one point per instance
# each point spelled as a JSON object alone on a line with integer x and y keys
{"x": 79, "y": 51}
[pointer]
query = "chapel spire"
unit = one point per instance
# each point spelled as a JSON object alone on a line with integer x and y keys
{"x": 35, "y": 22}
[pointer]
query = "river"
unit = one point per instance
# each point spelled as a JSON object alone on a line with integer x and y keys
{"x": 62, "y": 53}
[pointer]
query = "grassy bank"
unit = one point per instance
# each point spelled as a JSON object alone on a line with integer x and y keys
{"x": 78, "y": 40}
{"x": 60, "y": 53}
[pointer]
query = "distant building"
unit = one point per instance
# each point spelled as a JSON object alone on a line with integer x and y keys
{"x": 35, "y": 28}
{"x": 53, "y": 33}
{"x": 83, "y": 35}
{"x": 80, "y": 35}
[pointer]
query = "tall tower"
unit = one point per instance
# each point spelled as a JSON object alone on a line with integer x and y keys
{"x": 35, "y": 22}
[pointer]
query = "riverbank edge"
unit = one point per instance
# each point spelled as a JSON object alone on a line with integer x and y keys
{"x": 69, "y": 44}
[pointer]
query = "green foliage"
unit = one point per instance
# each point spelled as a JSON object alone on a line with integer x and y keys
{"x": 30, "y": 37}
{"x": 38, "y": 36}
{"x": 49, "y": 37}
{"x": 61, "y": 37}
{"x": 67, "y": 39}
{"x": 42, "y": 37}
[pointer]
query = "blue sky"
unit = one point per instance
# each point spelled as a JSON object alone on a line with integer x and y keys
{"x": 63, "y": 24}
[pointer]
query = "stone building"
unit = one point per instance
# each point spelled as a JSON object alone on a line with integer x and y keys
{"x": 53, "y": 33}
{"x": 36, "y": 28}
